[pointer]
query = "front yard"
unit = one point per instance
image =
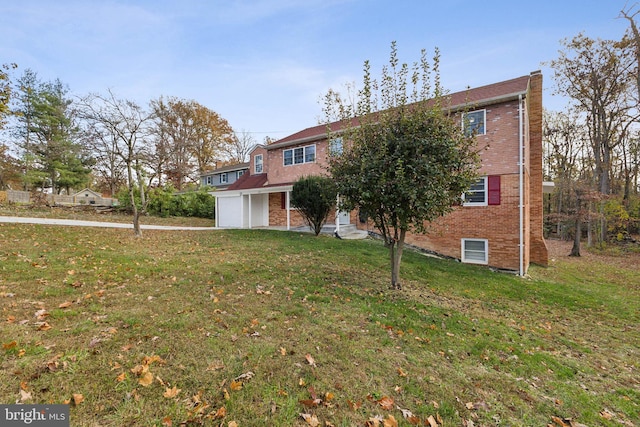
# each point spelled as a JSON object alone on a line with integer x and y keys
{"x": 255, "y": 328}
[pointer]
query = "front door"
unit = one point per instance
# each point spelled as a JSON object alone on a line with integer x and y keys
{"x": 343, "y": 218}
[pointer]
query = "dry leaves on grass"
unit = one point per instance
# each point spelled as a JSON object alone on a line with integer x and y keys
{"x": 170, "y": 393}
{"x": 312, "y": 420}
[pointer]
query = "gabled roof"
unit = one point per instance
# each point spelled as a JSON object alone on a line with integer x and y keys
{"x": 81, "y": 193}
{"x": 476, "y": 97}
{"x": 228, "y": 168}
{"x": 247, "y": 181}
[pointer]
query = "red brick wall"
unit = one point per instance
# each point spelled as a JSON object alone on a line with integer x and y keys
{"x": 281, "y": 174}
{"x": 278, "y": 216}
{"x": 539, "y": 253}
{"x": 252, "y": 166}
{"x": 500, "y": 224}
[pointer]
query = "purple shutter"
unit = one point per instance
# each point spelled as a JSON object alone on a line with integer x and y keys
{"x": 493, "y": 191}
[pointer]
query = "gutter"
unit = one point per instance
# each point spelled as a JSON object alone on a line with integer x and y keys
{"x": 520, "y": 185}
{"x": 451, "y": 108}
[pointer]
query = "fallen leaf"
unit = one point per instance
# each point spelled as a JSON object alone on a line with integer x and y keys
{"x": 310, "y": 360}
{"x": 401, "y": 372}
{"x": 77, "y": 399}
{"x": 24, "y": 396}
{"x": 283, "y": 351}
{"x": 245, "y": 377}
{"x": 148, "y": 360}
{"x": 146, "y": 380}
{"x": 606, "y": 414}
{"x": 469, "y": 405}
{"x": 215, "y": 365}
{"x": 386, "y": 403}
{"x": 432, "y": 422}
{"x": 354, "y": 405}
{"x": 171, "y": 392}
{"x": 236, "y": 385}
{"x": 405, "y": 412}
{"x": 413, "y": 420}
{"x": 312, "y": 420}
{"x": 166, "y": 422}
{"x": 310, "y": 403}
{"x": 121, "y": 377}
{"x": 374, "y": 421}
{"x": 44, "y": 326}
{"x": 9, "y": 345}
{"x": 390, "y": 421}
{"x": 220, "y": 413}
{"x": 232, "y": 424}
{"x": 65, "y": 304}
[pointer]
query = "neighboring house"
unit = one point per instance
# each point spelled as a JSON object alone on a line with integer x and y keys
{"x": 223, "y": 177}
{"x": 500, "y": 221}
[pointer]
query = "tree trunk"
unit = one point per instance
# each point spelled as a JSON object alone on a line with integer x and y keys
{"x": 132, "y": 197}
{"x": 395, "y": 252}
{"x": 575, "y": 250}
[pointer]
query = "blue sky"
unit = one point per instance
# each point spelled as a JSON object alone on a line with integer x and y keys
{"x": 264, "y": 64}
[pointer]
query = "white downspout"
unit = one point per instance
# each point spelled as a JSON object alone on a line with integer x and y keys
{"x": 288, "y": 206}
{"x": 216, "y": 211}
{"x": 250, "y": 212}
{"x": 338, "y": 215}
{"x": 520, "y": 184}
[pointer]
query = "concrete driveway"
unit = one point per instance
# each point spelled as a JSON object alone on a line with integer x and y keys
{"x": 78, "y": 223}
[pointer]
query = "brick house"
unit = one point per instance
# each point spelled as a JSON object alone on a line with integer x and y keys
{"x": 500, "y": 220}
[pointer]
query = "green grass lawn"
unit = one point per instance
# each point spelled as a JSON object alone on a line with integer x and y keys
{"x": 266, "y": 328}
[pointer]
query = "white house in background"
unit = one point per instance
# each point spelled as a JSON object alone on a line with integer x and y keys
{"x": 223, "y": 177}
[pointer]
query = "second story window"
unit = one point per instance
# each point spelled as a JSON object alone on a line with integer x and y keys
{"x": 224, "y": 178}
{"x": 257, "y": 160}
{"x": 299, "y": 155}
{"x": 474, "y": 122}
{"x": 335, "y": 146}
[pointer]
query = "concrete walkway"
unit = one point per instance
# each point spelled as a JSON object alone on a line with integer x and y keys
{"x": 348, "y": 234}
{"x": 78, "y": 223}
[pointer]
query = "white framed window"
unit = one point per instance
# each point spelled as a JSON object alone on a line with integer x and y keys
{"x": 477, "y": 194}
{"x": 299, "y": 155}
{"x": 257, "y": 161}
{"x": 209, "y": 180}
{"x": 239, "y": 173}
{"x": 224, "y": 178}
{"x": 475, "y": 251}
{"x": 474, "y": 122}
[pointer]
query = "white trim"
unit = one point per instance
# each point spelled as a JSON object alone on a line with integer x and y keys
{"x": 521, "y": 271}
{"x": 484, "y": 120}
{"x": 463, "y": 250}
{"x": 255, "y": 163}
{"x": 485, "y": 202}
{"x": 304, "y": 155}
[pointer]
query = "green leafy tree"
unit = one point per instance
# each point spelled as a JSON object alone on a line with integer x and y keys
{"x": 405, "y": 161}
{"x": 314, "y": 197}
{"x": 5, "y": 91}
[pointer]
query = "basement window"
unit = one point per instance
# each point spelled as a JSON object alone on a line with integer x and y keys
{"x": 475, "y": 251}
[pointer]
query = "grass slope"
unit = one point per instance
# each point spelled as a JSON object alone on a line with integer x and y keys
{"x": 255, "y": 328}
